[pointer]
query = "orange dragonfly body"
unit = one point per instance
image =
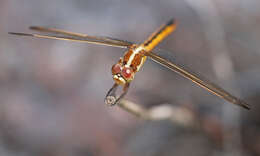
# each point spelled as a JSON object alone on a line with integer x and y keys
{"x": 125, "y": 69}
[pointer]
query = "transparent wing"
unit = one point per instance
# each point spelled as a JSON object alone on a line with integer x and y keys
{"x": 62, "y": 32}
{"x": 55, "y": 31}
{"x": 70, "y": 36}
{"x": 198, "y": 80}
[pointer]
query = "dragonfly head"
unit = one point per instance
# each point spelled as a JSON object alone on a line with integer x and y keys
{"x": 122, "y": 74}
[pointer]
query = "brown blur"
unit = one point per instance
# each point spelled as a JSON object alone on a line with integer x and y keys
{"x": 52, "y": 92}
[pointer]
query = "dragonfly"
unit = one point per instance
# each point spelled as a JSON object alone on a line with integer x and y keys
{"x": 123, "y": 72}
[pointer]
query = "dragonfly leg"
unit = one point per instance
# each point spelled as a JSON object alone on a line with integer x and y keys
{"x": 112, "y": 90}
{"x": 111, "y": 98}
{"x": 125, "y": 89}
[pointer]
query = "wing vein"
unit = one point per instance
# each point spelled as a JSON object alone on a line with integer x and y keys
{"x": 76, "y": 37}
{"x": 201, "y": 82}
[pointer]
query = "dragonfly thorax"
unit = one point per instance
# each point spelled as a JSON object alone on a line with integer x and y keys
{"x": 124, "y": 71}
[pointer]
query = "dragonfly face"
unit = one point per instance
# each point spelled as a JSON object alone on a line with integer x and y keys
{"x": 122, "y": 74}
{"x": 124, "y": 71}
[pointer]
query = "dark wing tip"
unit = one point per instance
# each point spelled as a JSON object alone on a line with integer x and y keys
{"x": 19, "y": 34}
{"x": 244, "y": 104}
{"x": 35, "y": 28}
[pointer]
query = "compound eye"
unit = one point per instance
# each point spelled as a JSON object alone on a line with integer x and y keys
{"x": 116, "y": 68}
{"x": 127, "y": 72}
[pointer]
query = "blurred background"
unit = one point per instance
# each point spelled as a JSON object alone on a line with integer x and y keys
{"x": 52, "y": 92}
